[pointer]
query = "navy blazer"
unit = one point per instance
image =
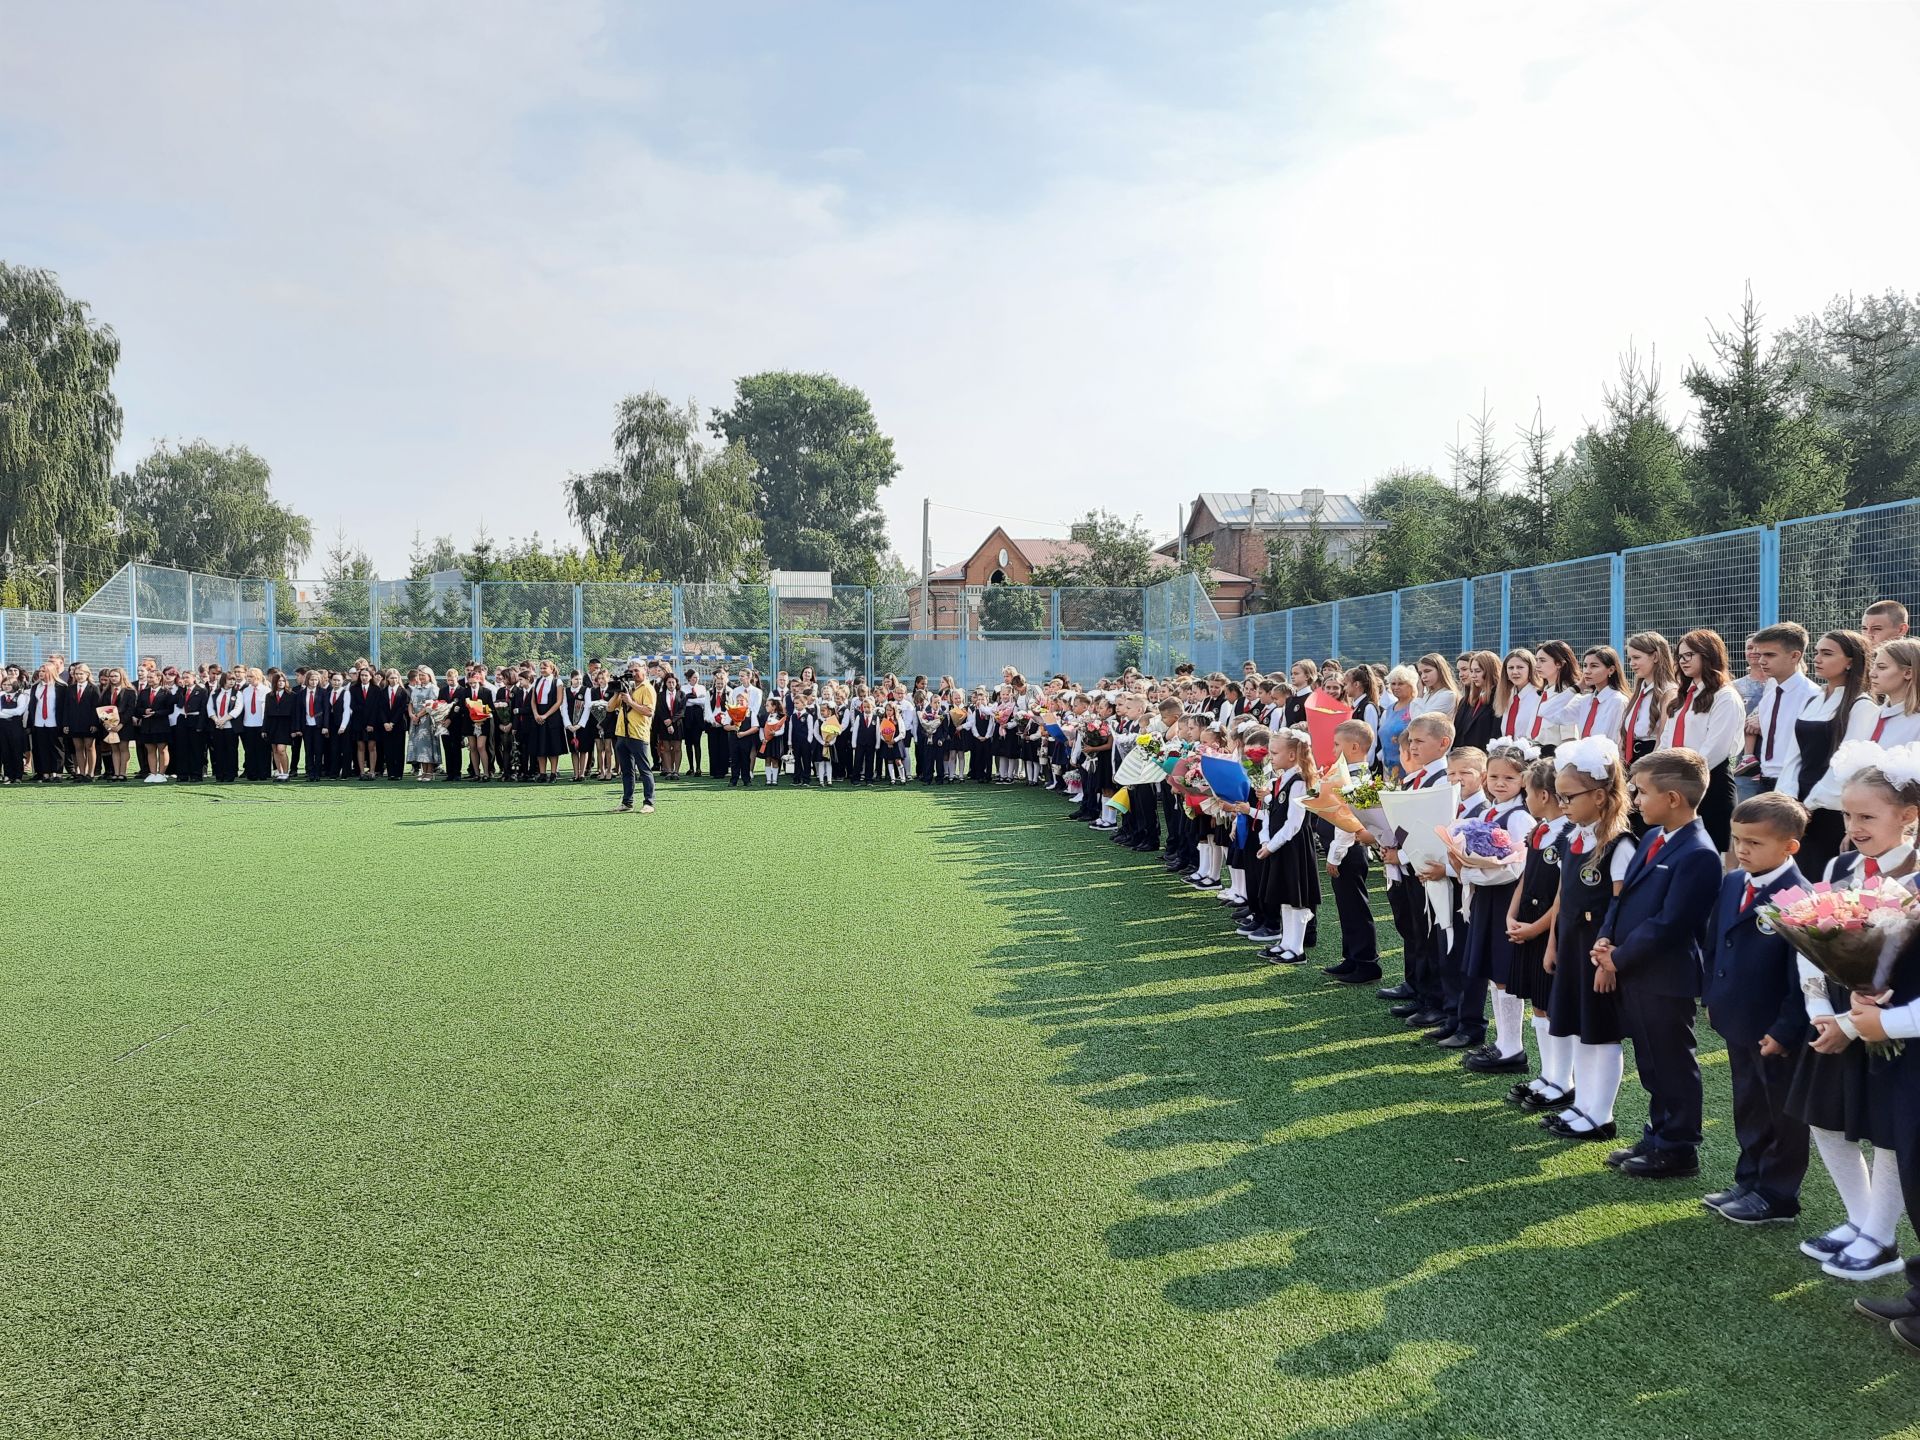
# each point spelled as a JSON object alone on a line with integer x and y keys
{"x": 1659, "y": 921}
{"x": 1753, "y": 984}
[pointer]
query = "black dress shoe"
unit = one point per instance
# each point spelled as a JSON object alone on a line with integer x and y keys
{"x": 1439, "y": 1030}
{"x": 1907, "y": 1332}
{"x": 1557, "y": 1125}
{"x": 1345, "y": 967}
{"x": 1395, "y": 992}
{"x": 1261, "y": 932}
{"x": 1494, "y": 1063}
{"x": 1404, "y": 1009}
{"x": 1755, "y": 1209}
{"x": 1536, "y": 1103}
{"x": 1428, "y": 1019}
{"x": 1617, "y": 1158}
{"x": 1365, "y": 976}
{"x": 1725, "y": 1197}
{"x": 1458, "y": 1040}
{"x": 1894, "y": 1307}
{"x": 1665, "y": 1164}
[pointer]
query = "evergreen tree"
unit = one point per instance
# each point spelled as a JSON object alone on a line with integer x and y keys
{"x": 1543, "y": 475}
{"x": 1629, "y": 479}
{"x": 1860, "y": 370}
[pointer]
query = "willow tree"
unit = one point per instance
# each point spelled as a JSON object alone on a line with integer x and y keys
{"x": 58, "y": 426}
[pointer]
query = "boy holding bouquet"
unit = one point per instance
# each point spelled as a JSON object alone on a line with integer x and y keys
{"x": 1347, "y": 867}
{"x": 1651, "y": 948}
{"x": 1753, "y": 1000}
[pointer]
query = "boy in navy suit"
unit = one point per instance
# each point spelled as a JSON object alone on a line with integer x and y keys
{"x": 1754, "y": 1001}
{"x": 1652, "y": 948}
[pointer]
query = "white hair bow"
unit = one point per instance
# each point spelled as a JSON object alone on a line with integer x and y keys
{"x": 1857, "y": 755}
{"x": 1594, "y": 755}
{"x": 1901, "y": 765}
{"x": 1525, "y": 749}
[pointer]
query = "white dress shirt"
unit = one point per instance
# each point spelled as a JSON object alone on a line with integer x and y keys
{"x": 1716, "y": 735}
{"x": 1780, "y": 706}
{"x": 1824, "y": 791}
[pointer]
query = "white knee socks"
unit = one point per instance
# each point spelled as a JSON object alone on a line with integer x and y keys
{"x": 1509, "y": 1023}
{"x": 1596, "y": 1076}
{"x": 1238, "y": 889}
{"x": 1293, "y": 928}
{"x": 1556, "y": 1059}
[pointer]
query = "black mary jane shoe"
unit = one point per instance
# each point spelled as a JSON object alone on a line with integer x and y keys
{"x": 1536, "y": 1103}
{"x": 1559, "y": 1127}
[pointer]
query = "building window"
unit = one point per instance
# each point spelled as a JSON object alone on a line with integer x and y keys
{"x": 999, "y": 577}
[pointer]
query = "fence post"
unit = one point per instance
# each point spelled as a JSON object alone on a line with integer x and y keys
{"x": 869, "y": 634}
{"x": 579, "y": 630}
{"x": 1289, "y": 644}
{"x": 1393, "y": 632}
{"x": 1770, "y": 576}
{"x": 1617, "y": 601}
{"x": 373, "y": 622}
{"x": 1506, "y": 612}
{"x": 192, "y": 655}
{"x": 963, "y": 619}
{"x": 270, "y": 602}
{"x": 1333, "y": 649}
{"x": 73, "y": 639}
{"x": 677, "y": 610}
{"x": 1466, "y": 617}
{"x": 476, "y": 623}
{"x": 1054, "y": 651}
{"x": 133, "y": 618}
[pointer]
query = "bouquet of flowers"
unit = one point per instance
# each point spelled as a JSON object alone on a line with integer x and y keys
{"x": 478, "y": 711}
{"x": 438, "y": 712}
{"x": 889, "y": 732}
{"x": 830, "y": 729}
{"x": 1096, "y": 729}
{"x": 110, "y": 717}
{"x": 958, "y": 714}
{"x": 1478, "y": 838}
{"x": 737, "y": 713}
{"x": 1852, "y": 934}
{"x": 1150, "y": 745}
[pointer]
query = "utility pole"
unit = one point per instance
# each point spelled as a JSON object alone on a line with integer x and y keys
{"x": 926, "y": 562}
{"x": 1180, "y": 528}
{"x": 60, "y": 574}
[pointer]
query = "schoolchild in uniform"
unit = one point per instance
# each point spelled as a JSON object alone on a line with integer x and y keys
{"x": 188, "y": 752}
{"x": 1845, "y": 1095}
{"x": 1518, "y": 698}
{"x": 1477, "y": 716}
{"x": 1530, "y": 922}
{"x": 1754, "y": 1003}
{"x": 1842, "y": 710}
{"x": 1423, "y": 747}
{"x": 1292, "y": 878}
{"x": 1359, "y": 962}
{"x": 1655, "y": 691}
{"x": 1491, "y": 885}
{"x": 1602, "y": 698}
{"x": 1558, "y": 674}
{"x": 1653, "y": 946}
{"x": 1709, "y": 719}
{"x": 1584, "y": 1006}
{"x": 1895, "y": 673}
{"x": 774, "y": 739}
{"x": 1463, "y": 1009}
{"x": 1779, "y": 656}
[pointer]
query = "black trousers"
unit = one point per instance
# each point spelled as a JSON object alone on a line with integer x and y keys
{"x": 187, "y": 757}
{"x": 523, "y": 749}
{"x": 393, "y": 751}
{"x": 259, "y": 756}
{"x": 1904, "y": 1078}
{"x": 452, "y": 749}
{"x": 1661, "y": 1028}
{"x": 1421, "y": 943}
{"x": 719, "y": 751}
{"x": 223, "y": 752}
{"x": 740, "y": 748}
{"x": 345, "y": 755}
{"x": 1773, "y": 1144}
{"x": 13, "y": 749}
{"x": 863, "y": 764}
{"x": 1465, "y": 996}
{"x": 1143, "y": 811}
{"x": 690, "y": 734}
{"x": 1358, "y": 943}
{"x": 49, "y": 751}
{"x": 923, "y": 759}
{"x": 319, "y": 752}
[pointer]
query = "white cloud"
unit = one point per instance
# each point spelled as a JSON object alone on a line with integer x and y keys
{"x": 416, "y": 257}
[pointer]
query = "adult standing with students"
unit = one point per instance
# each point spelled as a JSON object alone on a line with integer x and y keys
{"x": 630, "y": 710}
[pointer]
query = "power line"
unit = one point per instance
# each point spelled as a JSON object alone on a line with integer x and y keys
{"x": 995, "y": 515}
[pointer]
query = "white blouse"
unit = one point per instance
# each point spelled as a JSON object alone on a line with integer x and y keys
{"x": 1439, "y": 702}
{"x": 1553, "y": 723}
{"x": 1824, "y": 793}
{"x": 1523, "y": 709}
{"x": 1622, "y": 855}
{"x": 1716, "y": 736}
{"x": 1896, "y": 724}
{"x": 1597, "y": 714}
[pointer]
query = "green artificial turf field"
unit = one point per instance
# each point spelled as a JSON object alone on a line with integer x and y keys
{"x": 481, "y": 1111}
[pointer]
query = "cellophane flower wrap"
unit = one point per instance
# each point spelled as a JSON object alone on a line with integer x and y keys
{"x": 1851, "y": 933}
{"x": 1477, "y": 837}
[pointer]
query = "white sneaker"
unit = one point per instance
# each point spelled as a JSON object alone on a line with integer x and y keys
{"x": 156, "y": 778}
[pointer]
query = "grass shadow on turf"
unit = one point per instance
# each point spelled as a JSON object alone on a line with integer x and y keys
{"x": 1379, "y": 1215}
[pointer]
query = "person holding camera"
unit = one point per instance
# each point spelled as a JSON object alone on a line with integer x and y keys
{"x": 630, "y": 709}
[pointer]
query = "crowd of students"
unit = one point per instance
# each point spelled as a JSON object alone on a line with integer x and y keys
{"x": 1655, "y": 806}
{"x": 1654, "y": 803}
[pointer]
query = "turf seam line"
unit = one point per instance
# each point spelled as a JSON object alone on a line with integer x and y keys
{"x": 123, "y": 1055}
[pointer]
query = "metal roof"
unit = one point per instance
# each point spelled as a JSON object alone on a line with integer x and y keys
{"x": 1281, "y": 507}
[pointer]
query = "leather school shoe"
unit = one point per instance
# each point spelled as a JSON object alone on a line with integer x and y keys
{"x": 1558, "y": 1126}
{"x": 1401, "y": 991}
{"x": 1617, "y": 1158}
{"x": 1428, "y": 1020}
{"x": 1755, "y": 1209}
{"x": 1345, "y": 967}
{"x": 1366, "y": 975}
{"x": 1458, "y": 1040}
{"x": 1535, "y": 1102}
{"x": 1663, "y": 1164}
{"x": 1825, "y": 1247}
{"x": 1907, "y": 1332}
{"x": 1406, "y": 1008}
{"x": 1490, "y": 1061}
{"x": 1894, "y": 1307}
{"x": 1726, "y": 1196}
{"x": 1262, "y": 934}
{"x": 1885, "y": 1261}
{"x": 1280, "y": 955}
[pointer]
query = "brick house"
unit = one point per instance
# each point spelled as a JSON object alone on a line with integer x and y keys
{"x": 1240, "y": 525}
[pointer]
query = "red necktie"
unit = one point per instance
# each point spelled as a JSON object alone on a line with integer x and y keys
{"x": 253, "y": 701}
{"x": 1633, "y": 716}
{"x": 1538, "y": 705}
{"x": 1680, "y": 720}
{"x": 1513, "y": 713}
{"x": 309, "y": 707}
{"x": 1869, "y": 868}
{"x": 1653, "y": 847}
{"x": 1579, "y": 844}
{"x": 1587, "y": 729}
{"x": 1773, "y": 726}
{"x": 1539, "y": 834}
{"x": 46, "y": 703}
{"x": 1879, "y": 729}
{"x": 1746, "y": 900}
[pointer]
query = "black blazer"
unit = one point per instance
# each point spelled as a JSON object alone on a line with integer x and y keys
{"x": 1753, "y": 984}
{"x": 1475, "y": 725}
{"x": 322, "y": 709}
{"x": 393, "y": 705}
{"x": 192, "y": 707}
{"x": 74, "y": 705}
{"x": 365, "y": 718}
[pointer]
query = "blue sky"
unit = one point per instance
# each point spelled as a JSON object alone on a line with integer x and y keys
{"x": 1077, "y": 254}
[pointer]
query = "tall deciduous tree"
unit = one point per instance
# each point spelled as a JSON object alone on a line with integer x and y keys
{"x": 1761, "y": 457}
{"x": 822, "y": 462}
{"x": 58, "y": 426}
{"x": 668, "y": 503}
{"x": 199, "y": 507}
{"x": 1630, "y": 484}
